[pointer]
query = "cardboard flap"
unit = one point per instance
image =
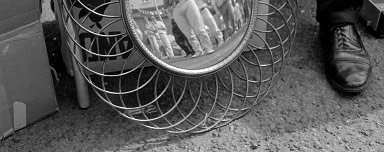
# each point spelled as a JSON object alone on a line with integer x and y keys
{"x": 16, "y": 13}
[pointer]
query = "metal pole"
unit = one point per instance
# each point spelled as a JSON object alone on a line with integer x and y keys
{"x": 80, "y": 82}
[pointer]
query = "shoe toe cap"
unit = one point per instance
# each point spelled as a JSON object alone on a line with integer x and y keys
{"x": 356, "y": 79}
{"x": 350, "y": 74}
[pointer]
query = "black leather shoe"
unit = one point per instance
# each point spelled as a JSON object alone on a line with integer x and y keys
{"x": 347, "y": 64}
{"x": 189, "y": 54}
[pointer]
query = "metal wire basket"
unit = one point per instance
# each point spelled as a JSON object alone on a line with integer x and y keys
{"x": 159, "y": 99}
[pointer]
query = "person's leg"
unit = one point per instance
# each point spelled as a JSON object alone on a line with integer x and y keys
{"x": 213, "y": 28}
{"x": 220, "y": 24}
{"x": 231, "y": 15}
{"x": 242, "y": 10}
{"x": 181, "y": 40}
{"x": 227, "y": 28}
{"x": 235, "y": 15}
{"x": 155, "y": 46}
{"x": 240, "y": 15}
{"x": 228, "y": 17}
{"x": 247, "y": 11}
{"x": 197, "y": 23}
{"x": 330, "y": 12}
{"x": 185, "y": 46}
{"x": 347, "y": 64}
{"x": 179, "y": 15}
{"x": 167, "y": 44}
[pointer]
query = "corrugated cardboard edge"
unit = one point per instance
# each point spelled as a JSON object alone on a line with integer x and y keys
{"x": 5, "y": 36}
{"x": 7, "y": 134}
{"x": 18, "y": 20}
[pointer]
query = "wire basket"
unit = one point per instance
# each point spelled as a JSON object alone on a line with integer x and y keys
{"x": 160, "y": 99}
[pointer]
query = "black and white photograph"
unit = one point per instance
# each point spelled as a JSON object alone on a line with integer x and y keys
{"x": 191, "y": 76}
{"x": 190, "y": 34}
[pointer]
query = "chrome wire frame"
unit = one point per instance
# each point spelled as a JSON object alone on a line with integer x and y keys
{"x": 158, "y": 99}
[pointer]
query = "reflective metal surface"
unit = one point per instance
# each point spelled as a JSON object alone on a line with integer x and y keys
{"x": 191, "y": 37}
{"x": 159, "y": 98}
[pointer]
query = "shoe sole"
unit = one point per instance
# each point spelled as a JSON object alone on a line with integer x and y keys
{"x": 209, "y": 52}
{"x": 197, "y": 54}
{"x": 350, "y": 90}
{"x": 194, "y": 56}
{"x": 187, "y": 55}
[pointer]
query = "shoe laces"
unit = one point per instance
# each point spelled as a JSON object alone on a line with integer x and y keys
{"x": 343, "y": 40}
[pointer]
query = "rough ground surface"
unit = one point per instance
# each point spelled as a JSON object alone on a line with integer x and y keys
{"x": 302, "y": 113}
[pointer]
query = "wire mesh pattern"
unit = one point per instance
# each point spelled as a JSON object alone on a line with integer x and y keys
{"x": 158, "y": 99}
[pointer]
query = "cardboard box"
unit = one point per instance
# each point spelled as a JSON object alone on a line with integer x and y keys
{"x": 26, "y": 86}
{"x": 373, "y": 13}
{"x": 17, "y": 13}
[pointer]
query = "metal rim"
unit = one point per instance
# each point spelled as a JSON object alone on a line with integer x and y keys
{"x": 185, "y": 72}
{"x": 159, "y": 99}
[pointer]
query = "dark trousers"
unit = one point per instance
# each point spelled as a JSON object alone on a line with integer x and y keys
{"x": 330, "y": 12}
{"x": 181, "y": 39}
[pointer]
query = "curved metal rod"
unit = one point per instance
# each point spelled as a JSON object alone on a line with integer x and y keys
{"x": 85, "y": 29}
{"x": 218, "y": 113}
{"x": 93, "y": 10}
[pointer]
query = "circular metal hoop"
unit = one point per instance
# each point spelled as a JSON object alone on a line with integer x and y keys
{"x": 155, "y": 98}
{"x": 198, "y": 72}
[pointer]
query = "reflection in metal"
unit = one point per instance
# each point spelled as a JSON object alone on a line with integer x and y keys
{"x": 157, "y": 98}
{"x": 222, "y": 41}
